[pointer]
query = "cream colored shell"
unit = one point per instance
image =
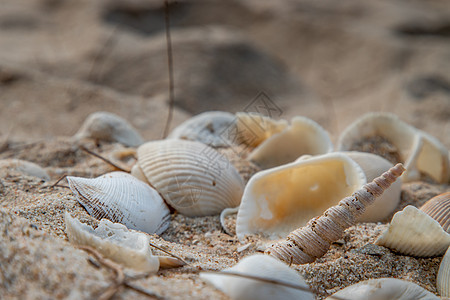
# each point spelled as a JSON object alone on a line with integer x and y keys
{"x": 384, "y": 289}
{"x": 109, "y": 127}
{"x": 262, "y": 266}
{"x": 122, "y": 198}
{"x": 24, "y": 167}
{"x": 439, "y": 209}
{"x": 419, "y": 151}
{"x": 279, "y": 200}
{"x": 443, "y": 277}
{"x": 192, "y": 177}
{"x": 253, "y": 128}
{"x": 114, "y": 241}
{"x": 413, "y": 232}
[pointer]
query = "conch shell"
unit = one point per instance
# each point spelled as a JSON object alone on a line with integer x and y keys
{"x": 308, "y": 243}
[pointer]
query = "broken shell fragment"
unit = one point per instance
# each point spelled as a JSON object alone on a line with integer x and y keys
{"x": 122, "y": 198}
{"x": 384, "y": 289}
{"x": 443, "y": 277}
{"x": 209, "y": 128}
{"x": 261, "y": 266}
{"x": 24, "y": 167}
{"x": 413, "y": 232}
{"x": 302, "y": 136}
{"x": 114, "y": 241}
{"x": 109, "y": 127}
{"x": 192, "y": 177}
{"x": 439, "y": 209}
{"x": 419, "y": 151}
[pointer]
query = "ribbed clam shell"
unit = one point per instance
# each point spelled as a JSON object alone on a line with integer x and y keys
{"x": 413, "y": 232}
{"x": 212, "y": 128}
{"x": 122, "y": 198}
{"x": 262, "y": 266}
{"x": 439, "y": 209}
{"x": 419, "y": 151}
{"x": 114, "y": 241}
{"x": 24, "y": 167}
{"x": 109, "y": 127}
{"x": 279, "y": 200}
{"x": 443, "y": 277}
{"x": 302, "y": 136}
{"x": 384, "y": 289}
{"x": 192, "y": 177}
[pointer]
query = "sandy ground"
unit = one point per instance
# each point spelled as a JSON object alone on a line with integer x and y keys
{"x": 329, "y": 61}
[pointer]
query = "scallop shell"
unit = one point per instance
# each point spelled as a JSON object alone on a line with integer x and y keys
{"x": 439, "y": 209}
{"x": 24, "y": 167}
{"x": 209, "y": 128}
{"x": 114, "y": 241}
{"x": 109, "y": 127}
{"x": 122, "y": 198}
{"x": 302, "y": 136}
{"x": 419, "y": 151}
{"x": 413, "y": 232}
{"x": 262, "y": 266}
{"x": 384, "y": 288}
{"x": 443, "y": 277}
{"x": 193, "y": 178}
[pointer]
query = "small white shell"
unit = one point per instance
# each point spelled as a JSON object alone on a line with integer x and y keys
{"x": 419, "y": 151}
{"x": 413, "y": 232}
{"x": 192, "y": 177}
{"x": 384, "y": 289}
{"x": 24, "y": 167}
{"x": 443, "y": 277}
{"x": 114, "y": 241}
{"x": 263, "y": 266}
{"x": 122, "y": 198}
{"x": 209, "y": 128}
{"x": 281, "y": 199}
{"x": 302, "y": 136}
{"x": 109, "y": 127}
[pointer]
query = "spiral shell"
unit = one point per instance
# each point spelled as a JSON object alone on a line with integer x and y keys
{"x": 23, "y": 167}
{"x": 193, "y": 178}
{"x": 439, "y": 209}
{"x": 122, "y": 198}
{"x": 308, "y": 243}
{"x": 443, "y": 277}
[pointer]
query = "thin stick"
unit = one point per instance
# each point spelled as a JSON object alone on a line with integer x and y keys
{"x": 102, "y": 158}
{"x": 56, "y": 183}
{"x": 167, "y": 252}
{"x": 170, "y": 66}
{"x": 142, "y": 291}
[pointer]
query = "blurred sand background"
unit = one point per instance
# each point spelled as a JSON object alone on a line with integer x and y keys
{"x": 331, "y": 61}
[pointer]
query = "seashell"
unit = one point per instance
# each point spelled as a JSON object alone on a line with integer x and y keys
{"x": 384, "y": 288}
{"x": 413, "y": 232}
{"x": 279, "y": 200}
{"x": 419, "y": 151}
{"x": 443, "y": 277}
{"x": 192, "y": 177}
{"x": 262, "y": 266}
{"x": 109, "y": 127}
{"x": 439, "y": 209}
{"x": 209, "y": 128}
{"x": 24, "y": 167}
{"x": 302, "y": 136}
{"x": 122, "y": 198}
{"x": 116, "y": 242}
{"x": 308, "y": 243}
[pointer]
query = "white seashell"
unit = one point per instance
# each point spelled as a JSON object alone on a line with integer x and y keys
{"x": 114, "y": 241}
{"x": 193, "y": 178}
{"x": 413, "y": 232}
{"x": 209, "y": 128}
{"x": 279, "y": 200}
{"x": 262, "y": 266}
{"x": 384, "y": 289}
{"x": 24, "y": 167}
{"x": 109, "y": 127}
{"x": 302, "y": 136}
{"x": 443, "y": 277}
{"x": 419, "y": 151}
{"x": 122, "y": 198}
{"x": 438, "y": 208}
